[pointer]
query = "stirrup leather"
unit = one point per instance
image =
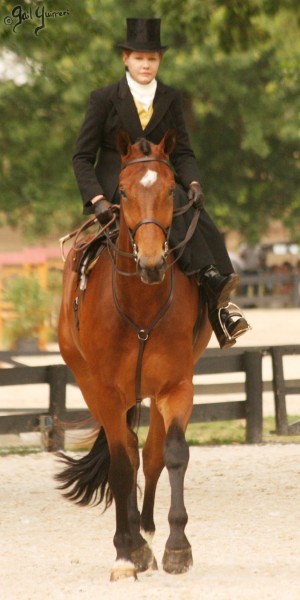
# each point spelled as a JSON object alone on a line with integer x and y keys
{"x": 233, "y": 311}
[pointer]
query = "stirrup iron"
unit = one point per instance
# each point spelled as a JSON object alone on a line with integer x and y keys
{"x": 233, "y": 311}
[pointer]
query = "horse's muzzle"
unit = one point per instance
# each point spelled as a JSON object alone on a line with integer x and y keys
{"x": 151, "y": 272}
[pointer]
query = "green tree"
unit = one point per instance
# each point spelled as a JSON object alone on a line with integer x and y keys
{"x": 241, "y": 83}
{"x": 31, "y": 308}
{"x": 238, "y": 70}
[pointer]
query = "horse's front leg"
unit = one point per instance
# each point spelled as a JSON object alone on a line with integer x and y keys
{"x": 119, "y": 472}
{"x": 178, "y": 553}
{"x": 153, "y": 464}
{"x": 120, "y": 480}
{"x": 141, "y": 554}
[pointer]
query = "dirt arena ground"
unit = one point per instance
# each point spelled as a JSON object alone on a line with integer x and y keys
{"x": 244, "y": 514}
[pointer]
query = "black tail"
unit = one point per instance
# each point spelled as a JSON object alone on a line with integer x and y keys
{"x": 87, "y": 478}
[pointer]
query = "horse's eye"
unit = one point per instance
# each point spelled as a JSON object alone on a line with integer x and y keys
{"x": 122, "y": 193}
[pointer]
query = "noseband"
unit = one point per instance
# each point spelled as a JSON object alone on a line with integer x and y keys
{"x": 132, "y": 232}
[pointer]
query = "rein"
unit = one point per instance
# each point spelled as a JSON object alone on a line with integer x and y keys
{"x": 143, "y": 334}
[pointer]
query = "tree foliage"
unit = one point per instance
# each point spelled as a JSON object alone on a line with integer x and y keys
{"x": 237, "y": 63}
{"x": 31, "y": 308}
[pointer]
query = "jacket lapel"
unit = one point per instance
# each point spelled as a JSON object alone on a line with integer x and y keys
{"x": 161, "y": 105}
{"x": 125, "y": 106}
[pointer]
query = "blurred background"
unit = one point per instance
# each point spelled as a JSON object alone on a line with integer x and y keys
{"x": 237, "y": 65}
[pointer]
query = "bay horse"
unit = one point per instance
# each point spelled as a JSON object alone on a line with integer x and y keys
{"x": 133, "y": 339}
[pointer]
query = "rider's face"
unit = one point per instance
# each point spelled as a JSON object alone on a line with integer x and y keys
{"x": 142, "y": 66}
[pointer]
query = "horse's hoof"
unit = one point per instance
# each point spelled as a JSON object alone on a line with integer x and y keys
{"x": 144, "y": 559}
{"x": 123, "y": 569}
{"x": 177, "y": 561}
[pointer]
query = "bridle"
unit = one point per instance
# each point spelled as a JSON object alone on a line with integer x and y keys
{"x": 152, "y": 221}
{"x": 143, "y": 333}
{"x": 132, "y": 232}
{"x": 143, "y": 159}
{"x": 110, "y": 229}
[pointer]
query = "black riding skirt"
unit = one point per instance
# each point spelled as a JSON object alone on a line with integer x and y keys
{"x": 207, "y": 245}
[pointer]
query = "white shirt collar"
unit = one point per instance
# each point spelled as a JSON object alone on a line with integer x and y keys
{"x": 144, "y": 94}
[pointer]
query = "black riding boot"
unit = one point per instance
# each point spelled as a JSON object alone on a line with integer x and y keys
{"x": 218, "y": 287}
{"x": 228, "y": 324}
{"x": 226, "y": 319}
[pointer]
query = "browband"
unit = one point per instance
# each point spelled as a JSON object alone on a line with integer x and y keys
{"x": 134, "y": 161}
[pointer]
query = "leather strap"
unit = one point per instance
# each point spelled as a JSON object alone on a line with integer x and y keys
{"x": 143, "y": 159}
{"x": 143, "y": 334}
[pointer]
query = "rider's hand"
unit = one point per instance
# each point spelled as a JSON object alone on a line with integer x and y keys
{"x": 103, "y": 210}
{"x": 195, "y": 194}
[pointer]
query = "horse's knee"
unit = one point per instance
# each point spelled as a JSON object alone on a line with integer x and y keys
{"x": 176, "y": 450}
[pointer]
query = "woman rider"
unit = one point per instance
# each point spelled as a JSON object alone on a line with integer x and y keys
{"x": 145, "y": 107}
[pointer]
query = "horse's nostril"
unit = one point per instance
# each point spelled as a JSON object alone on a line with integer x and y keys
{"x": 161, "y": 264}
{"x": 148, "y": 264}
{"x": 152, "y": 271}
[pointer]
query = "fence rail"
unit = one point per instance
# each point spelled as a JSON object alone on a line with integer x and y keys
{"x": 266, "y": 289}
{"x": 243, "y": 360}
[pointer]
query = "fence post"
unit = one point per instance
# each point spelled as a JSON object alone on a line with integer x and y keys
{"x": 57, "y": 379}
{"x": 282, "y": 427}
{"x": 254, "y": 389}
{"x": 295, "y": 290}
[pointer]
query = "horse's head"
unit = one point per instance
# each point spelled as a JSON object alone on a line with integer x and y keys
{"x": 146, "y": 190}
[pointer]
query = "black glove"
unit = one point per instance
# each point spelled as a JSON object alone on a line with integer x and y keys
{"x": 103, "y": 211}
{"x": 195, "y": 193}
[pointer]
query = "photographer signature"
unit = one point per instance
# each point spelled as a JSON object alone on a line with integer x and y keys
{"x": 40, "y": 14}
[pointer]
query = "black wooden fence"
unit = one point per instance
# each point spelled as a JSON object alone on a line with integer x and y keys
{"x": 243, "y": 360}
{"x": 282, "y": 388}
{"x": 266, "y": 289}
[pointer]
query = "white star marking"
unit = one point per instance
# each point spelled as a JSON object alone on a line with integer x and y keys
{"x": 149, "y": 178}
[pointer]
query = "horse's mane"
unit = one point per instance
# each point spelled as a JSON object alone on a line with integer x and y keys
{"x": 144, "y": 146}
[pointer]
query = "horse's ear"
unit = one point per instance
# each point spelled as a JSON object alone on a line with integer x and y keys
{"x": 169, "y": 141}
{"x": 122, "y": 142}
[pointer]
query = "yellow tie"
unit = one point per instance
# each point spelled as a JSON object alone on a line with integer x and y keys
{"x": 144, "y": 115}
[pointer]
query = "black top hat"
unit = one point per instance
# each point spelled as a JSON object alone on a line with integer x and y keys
{"x": 143, "y": 35}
